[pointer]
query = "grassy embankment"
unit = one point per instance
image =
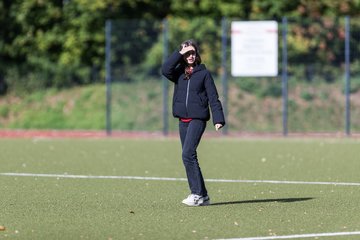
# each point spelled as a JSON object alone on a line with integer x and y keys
{"x": 138, "y": 106}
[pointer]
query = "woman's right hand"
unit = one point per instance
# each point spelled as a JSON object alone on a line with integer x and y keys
{"x": 186, "y": 49}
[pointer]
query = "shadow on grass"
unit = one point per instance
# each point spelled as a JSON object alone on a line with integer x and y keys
{"x": 281, "y": 200}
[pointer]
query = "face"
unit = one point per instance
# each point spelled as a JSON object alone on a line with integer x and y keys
{"x": 190, "y": 56}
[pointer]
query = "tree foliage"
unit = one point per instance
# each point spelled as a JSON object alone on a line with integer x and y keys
{"x": 47, "y": 43}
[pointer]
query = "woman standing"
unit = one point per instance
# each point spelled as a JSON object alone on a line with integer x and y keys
{"x": 194, "y": 91}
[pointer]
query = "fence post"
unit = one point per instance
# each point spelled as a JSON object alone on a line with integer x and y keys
{"x": 224, "y": 79}
{"x": 165, "y": 81}
{"x": 284, "y": 76}
{"x": 347, "y": 75}
{"x": 108, "y": 75}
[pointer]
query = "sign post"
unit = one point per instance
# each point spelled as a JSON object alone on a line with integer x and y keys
{"x": 254, "y": 48}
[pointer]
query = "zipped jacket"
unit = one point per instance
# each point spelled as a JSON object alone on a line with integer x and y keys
{"x": 193, "y": 96}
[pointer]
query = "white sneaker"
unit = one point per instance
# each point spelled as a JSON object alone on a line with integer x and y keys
{"x": 196, "y": 200}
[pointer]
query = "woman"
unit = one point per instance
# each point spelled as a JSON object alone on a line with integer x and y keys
{"x": 194, "y": 91}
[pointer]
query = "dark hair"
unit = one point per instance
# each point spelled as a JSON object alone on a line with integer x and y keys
{"x": 191, "y": 42}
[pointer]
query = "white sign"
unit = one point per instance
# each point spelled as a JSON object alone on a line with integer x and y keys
{"x": 254, "y": 48}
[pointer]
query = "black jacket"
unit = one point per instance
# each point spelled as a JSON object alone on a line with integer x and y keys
{"x": 192, "y": 97}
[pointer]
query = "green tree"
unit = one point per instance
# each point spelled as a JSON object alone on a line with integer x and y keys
{"x": 60, "y": 43}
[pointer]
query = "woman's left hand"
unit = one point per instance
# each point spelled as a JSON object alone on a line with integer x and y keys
{"x": 218, "y": 126}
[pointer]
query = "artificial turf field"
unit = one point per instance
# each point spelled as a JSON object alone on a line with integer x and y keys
{"x": 132, "y": 189}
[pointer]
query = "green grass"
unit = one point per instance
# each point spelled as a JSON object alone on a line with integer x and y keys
{"x": 138, "y": 106}
{"x": 66, "y": 208}
{"x": 76, "y": 108}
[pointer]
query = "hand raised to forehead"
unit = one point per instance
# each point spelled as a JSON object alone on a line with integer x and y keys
{"x": 186, "y": 49}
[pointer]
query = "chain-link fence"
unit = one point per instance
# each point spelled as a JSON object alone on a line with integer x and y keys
{"x": 316, "y": 75}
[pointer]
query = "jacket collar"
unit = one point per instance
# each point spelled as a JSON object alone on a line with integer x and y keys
{"x": 199, "y": 68}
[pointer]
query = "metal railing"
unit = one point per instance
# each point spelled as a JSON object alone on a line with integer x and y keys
{"x": 315, "y": 53}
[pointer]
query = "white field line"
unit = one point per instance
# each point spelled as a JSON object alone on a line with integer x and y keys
{"x": 173, "y": 179}
{"x": 313, "y": 235}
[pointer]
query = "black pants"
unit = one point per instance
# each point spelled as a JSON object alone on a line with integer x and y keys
{"x": 190, "y": 135}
